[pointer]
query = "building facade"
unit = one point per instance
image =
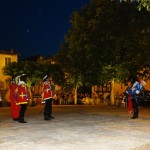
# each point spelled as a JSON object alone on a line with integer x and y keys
{"x": 6, "y": 57}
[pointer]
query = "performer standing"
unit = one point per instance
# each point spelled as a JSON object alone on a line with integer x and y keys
{"x": 47, "y": 96}
{"x": 23, "y": 97}
{"x": 133, "y": 91}
{"x": 15, "y": 108}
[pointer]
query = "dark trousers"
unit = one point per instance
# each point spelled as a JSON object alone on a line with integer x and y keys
{"x": 135, "y": 107}
{"x": 48, "y": 108}
{"x": 22, "y": 111}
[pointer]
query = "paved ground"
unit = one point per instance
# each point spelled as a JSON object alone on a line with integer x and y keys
{"x": 76, "y": 128}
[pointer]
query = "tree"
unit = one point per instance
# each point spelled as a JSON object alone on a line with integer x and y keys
{"x": 73, "y": 77}
{"x": 142, "y": 4}
{"x": 30, "y": 68}
{"x": 35, "y": 71}
{"x": 106, "y": 42}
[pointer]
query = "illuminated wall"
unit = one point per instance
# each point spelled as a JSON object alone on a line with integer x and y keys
{"x": 6, "y": 58}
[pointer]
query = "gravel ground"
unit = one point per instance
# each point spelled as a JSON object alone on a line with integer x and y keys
{"x": 76, "y": 127}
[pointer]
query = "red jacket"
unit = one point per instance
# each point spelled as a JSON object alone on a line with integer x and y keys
{"x": 47, "y": 91}
{"x": 23, "y": 94}
{"x": 13, "y": 94}
{"x": 15, "y": 108}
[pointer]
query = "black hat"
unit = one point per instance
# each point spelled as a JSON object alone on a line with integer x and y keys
{"x": 23, "y": 77}
{"x": 133, "y": 79}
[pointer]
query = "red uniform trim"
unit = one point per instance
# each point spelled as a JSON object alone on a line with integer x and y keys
{"x": 130, "y": 108}
{"x": 23, "y": 94}
{"x": 47, "y": 92}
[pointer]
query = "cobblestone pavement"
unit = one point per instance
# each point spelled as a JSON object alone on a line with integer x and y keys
{"x": 76, "y": 127}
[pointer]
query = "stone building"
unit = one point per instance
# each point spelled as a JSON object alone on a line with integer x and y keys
{"x": 6, "y": 57}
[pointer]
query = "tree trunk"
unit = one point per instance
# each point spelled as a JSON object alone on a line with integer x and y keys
{"x": 112, "y": 92}
{"x": 31, "y": 97}
{"x": 75, "y": 96}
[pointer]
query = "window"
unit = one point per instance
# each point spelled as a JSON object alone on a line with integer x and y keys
{"x": 7, "y": 61}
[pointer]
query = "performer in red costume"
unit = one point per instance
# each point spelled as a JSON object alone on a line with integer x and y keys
{"x": 47, "y": 96}
{"x": 23, "y": 97}
{"x": 15, "y": 108}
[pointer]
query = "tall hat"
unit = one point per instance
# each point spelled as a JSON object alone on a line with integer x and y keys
{"x": 45, "y": 78}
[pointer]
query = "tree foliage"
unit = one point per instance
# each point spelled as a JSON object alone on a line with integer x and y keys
{"x": 108, "y": 39}
{"x": 142, "y": 4}
{"x": 35, "y": 71}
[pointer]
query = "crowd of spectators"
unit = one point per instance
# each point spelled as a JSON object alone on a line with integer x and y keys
{"x": 121, "y": 100}
{"x": 143, "y": 99}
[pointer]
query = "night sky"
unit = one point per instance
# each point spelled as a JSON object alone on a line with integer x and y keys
{"x": 35, "y": 27}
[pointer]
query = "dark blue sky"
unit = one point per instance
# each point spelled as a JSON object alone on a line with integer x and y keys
{"x": 35, "y": 27}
